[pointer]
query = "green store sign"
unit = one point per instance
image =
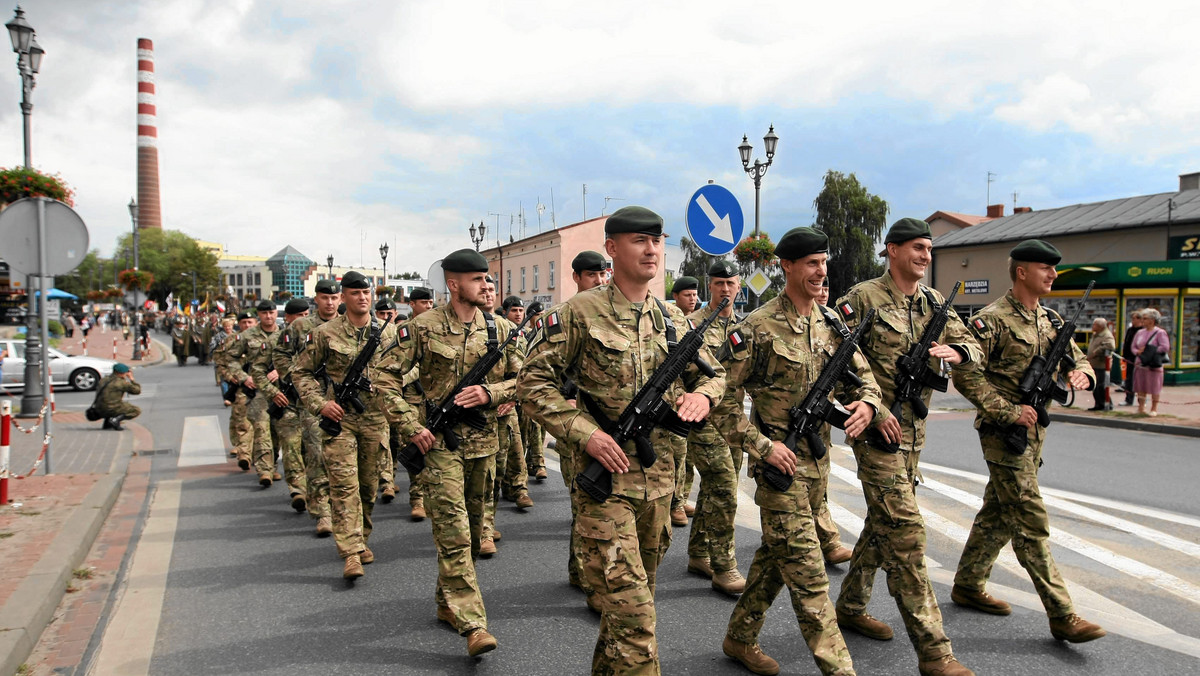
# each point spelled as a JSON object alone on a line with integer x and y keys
{"x": 1134, "y": 273}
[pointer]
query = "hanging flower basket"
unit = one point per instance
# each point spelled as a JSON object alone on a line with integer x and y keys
{"x": 383, "y": 291}
{"x": 757, "y": 250}
{"x": 251, "y": 296}
{"x": 94, "y": 295}
{"x": 285, "y": 295}
{"x": 19, "y": 182}
{"x": 114, "y": 293}
{"x": 136, "y": 279}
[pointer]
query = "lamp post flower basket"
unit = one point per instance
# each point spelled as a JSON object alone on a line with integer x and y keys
{"x": 136, "y": 279}
{"x": 113, "y": 293}
{"x": 285, "y": 295}
{"x": 755, "y": 250}
{"x": 250, "y": 297}
{"x": 381, "y": 291}
{"x": 94, "y": 295}
{"x": 19, "y": 182}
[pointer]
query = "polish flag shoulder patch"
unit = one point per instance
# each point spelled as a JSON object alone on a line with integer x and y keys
{"x": 402, "y": 334}
{"x": 737, "y": 342}
{"x": 553, "y": 325}
{"x": 978, "y": 323}
{"x": 846, "y": 310}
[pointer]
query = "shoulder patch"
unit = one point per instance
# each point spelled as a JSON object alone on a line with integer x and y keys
{"x": 979, "y": 326}
{"x": 846, "y": 311}
{"x": 552, "y": 325}
{"x": 691, "y": 325}
{"x": 737, "y": 342}
{"x": 402, "y": 334}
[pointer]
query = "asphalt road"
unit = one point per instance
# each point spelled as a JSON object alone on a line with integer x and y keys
{"x": 250, "y": 590}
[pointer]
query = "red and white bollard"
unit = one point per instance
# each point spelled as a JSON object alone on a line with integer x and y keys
{"x": 5, "y": 428}
{"x": 114, "y": 347}
{"x": 85, "y": 346}
{"x": 52, "y": 409}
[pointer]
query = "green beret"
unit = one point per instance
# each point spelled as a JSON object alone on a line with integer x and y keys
{"x": 723, "y": 269}
{"x": 906, "y": 229}
{"x": 120, "y": 368}
{"x": 634, "y": 219}
{"x": 588, "y": 261}
{"x": 385, "y": 303}
{"x": 535, "y": 308}
{"x": 800, "y": 242}
{"x": 230, "y": 315}
{"x": 489, "y": 279}
{"x": 246, "y": 314}
{"x": 465, "y": 260}
{"x": 684, "y": 283}
{"x": 512, "y": 301}
{"x": 265, "y": 305}
{"x": 295, "y": 306}
{"x": 420, "y": 293}
{"x": 355, "y": 280}
{"x": 329, "y": 286}
{"x": 1036, "y": 251}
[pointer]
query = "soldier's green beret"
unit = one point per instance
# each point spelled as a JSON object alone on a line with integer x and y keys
{"x": 535, "y": 308}
{"x": 295, "y": 306}
{"x": 800, "y": 242}
{"x": 230, "y": 315}
{"x": 120, "y": 368}
{"x": 329, "y": 286}
{"x": 634, "y": 219}
{"x": 246, "y": 314}
{"x": 465, "y": 260}
{"x": 1036, "y": 251}
{"x": 489, "y": 279}
{"x": 588, "y": 261}
{"x": 355, "y": 280}
{"x": 420, "y": 293}
{"x": 385, "y": 303}
{"x": 684, "y": 283}
{"x": 723, "y": 269}
{"x": 511, "y": 302}
{"x": 264, "y": 305}
{"x": 906, "y": 229}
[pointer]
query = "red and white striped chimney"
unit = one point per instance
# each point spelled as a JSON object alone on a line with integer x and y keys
{"x": 149, "y": 207}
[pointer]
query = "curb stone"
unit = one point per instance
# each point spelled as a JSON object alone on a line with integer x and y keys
{"x": 1134, "y": 425}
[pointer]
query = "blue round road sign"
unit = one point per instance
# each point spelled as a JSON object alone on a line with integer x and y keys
{"x": 714, "y": 220}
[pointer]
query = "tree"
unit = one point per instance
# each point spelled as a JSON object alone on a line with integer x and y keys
{"x": 854, "y": 220}
{"x": 408, "y": 275}
{"x": 171, "y": 256}
{"x": 695, "y": 264}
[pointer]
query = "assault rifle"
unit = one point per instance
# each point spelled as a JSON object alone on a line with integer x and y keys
{"x": 289, "y": 390}
{"x": 346, "y": 393}
{"x": 1040, "y": 382}
{"x": 806, "y": 419}
{"x": 442, "y": 418}
{"x": 648, "y": 409}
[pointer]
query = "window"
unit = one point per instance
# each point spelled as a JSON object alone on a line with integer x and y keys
{"x": 550, "y": 273}
{"x": 535, "y": 278}
{"x": 239, "y": 282}
{"x": 508, "y": 287}
{"x": 522, "y": 280}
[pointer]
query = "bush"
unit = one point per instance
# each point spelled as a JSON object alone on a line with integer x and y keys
{"x": 56, "y": 328}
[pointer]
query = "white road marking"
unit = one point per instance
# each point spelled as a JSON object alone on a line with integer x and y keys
{"x": 202, "y": 442}
{"x": 128, "y": 643}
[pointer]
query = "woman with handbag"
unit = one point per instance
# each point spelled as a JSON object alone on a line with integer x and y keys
{"x": 1152, "y": 348}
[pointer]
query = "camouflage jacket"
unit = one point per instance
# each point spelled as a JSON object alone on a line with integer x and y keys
{"x": 899, "y": 324}
{"x": 609, "y": 347}
{"x": 445, "y": 349}
{"x": 262, "y": 348}
{"x": 1009, "y": 335}
{"x": 295, "y": 338}
{"x": 775, "y": 355}
{"x": 336, "y": 344}
{"x": 714, "y": 338}
{"x": 111, "y": 389}
{"x": 232, "y": 359}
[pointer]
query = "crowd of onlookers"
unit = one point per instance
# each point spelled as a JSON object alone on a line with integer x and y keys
{"x": 1144, "y": 353}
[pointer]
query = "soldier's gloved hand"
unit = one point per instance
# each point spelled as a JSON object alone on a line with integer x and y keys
{"x": 949, "y": 354}
{"x": 506, "y": 408}
{"x": 782, "y": 458}
{"x": 861, "y": 415}
{"x": 332, "y": 411}
{"x": 1079, "y": 380}
{"x": 280, "y": 399}
{"x": 693, "y": 407}
{"x": 423, "y": 440}
{"x": 249, "y": 382}
{"x": 472, "y": 396}
{"x": 606, "y": 451}
{"x": 1028, "y": 417}
{"x": 890, "y": 429}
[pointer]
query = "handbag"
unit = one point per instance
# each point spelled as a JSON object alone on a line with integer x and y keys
{"x": 1150, "y": 357}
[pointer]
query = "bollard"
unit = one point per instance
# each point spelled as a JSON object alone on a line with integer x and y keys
{"x": 5, "y": 428}
{"x": 52, "y": 409}
{"x": 85, "y": 346}
{"x": 114, "y": 347}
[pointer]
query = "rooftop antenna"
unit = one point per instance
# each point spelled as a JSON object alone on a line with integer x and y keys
{"x": 521, "y": 217}
{"x": 607, "y": 200}
{"x": 553, "y": 222}
{"x": 541, "y": 209}
{"x": 1015, "y": 193}
{"x": 990, "y": 177}
{"x": 492, "y": 213}
{"x": 585, "y": 201}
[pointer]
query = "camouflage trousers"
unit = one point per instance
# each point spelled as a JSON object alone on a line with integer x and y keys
{"x": 827, "y": 531}
{"x": 290, "y": 432}
{"x": 352, "y": 464}
{"x": 510, "y": 473}
{"x": 263, "y": 447}
{"x": 1013, "y": 511}
{"x": 121, "y": 408}
{"x": 456, "y": 492}
{"x": 534, "y": 440}
{"x": 566, "y": 466}
{"x": 414, "y": 486}
{"x": 790, "y": 556}
{"x": 711, "y": 536}
{"x": 241, "y": 434}
{"x": 679, "y": 451}
{"x": 387, "y": 459}
{"x": 893, "y": 538}
{"x": 622, "y": 541}
{"x": 316, "y": 478}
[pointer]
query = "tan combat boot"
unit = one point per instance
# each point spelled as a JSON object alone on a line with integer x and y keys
{"x": 1075, "y": 629}
{"x": 729, "y": 582}
{"x": 979, "y": 600}
{"x": 324, "y": 527}
{"x": 495, "y": 535}
{"x": 943, "y": 666}
{"x": 416, "y": 510}
{"x": 866, "y": 625}
{"x": 264, "y": 479}
{"x": 700, "y": 566}
{"x": 480, "y": 642}
{"x": 352, "y": 570}
{"x": 689, "y": 509}
{"x": 524, "y": 501}
{"x": 678, "y": 517}
{"x": 838, "y": 555}
{"x": 444, "y": 615}
{"x": 751, "y": 656}
{"x": 299, "y": 502}
{"x": 487, "y": 547}
{"x": 389, "y": 494}
{"x": 366, "y": 556}
{"x": 276, "y": 476}
{"x": 540, "y": 477}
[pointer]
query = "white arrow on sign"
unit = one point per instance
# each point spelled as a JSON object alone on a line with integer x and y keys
{"x": 722, "y": 229}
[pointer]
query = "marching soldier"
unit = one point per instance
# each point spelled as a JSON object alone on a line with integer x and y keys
{"x": 271, "y": 370}
{"x": 241, "y": 433}
{"x": 609, "y": 341}
{"x": 1011, "y": 332}
{"x": 893, "y": 535}
{"x": 351, "y": 457}
{"x": 687, "y": 298}
{"x": 243, "y": 353}
{"x": 775, "y": 356}
{"x": 510, "y": 462}
{"x": 445, "y": 343}
{"x": 385, "y": 311}
{"x": 710, "y": 544}
{"x": 421, "y": 301}
{"x": 507, "y": 432}
{"x": 827, "y": 530}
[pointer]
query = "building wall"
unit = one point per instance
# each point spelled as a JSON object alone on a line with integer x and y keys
{"x": 319, "y": 272}
{"x": 254, "y": 278}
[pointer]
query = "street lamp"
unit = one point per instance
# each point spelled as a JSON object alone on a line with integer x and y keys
{"x": 757, "y": 171}
{"x": 29, "y": 62}
{"x": 383, "y": 249}
{"x": 477, "y": 241}
{"x": 137, "y": 320}
{"x": 329, "y": 262}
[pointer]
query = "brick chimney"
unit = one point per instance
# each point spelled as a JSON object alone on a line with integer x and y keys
{"x": 149, "y": 208}
{"x": 995, "y": 211}
{"x": 1021, "y": 210}
{"x": 1189, "y": 181}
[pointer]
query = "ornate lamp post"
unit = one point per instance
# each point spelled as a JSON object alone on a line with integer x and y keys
{"x": 137, "y": 312}
{"x": 329, "y": 262}
{"x": 383, "y": 249}
{"x": 756, "y": 172}
{"x": 478, "y": 240}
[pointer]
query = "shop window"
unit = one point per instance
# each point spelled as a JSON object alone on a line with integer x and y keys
{"x": 1190, "y": 340}
{"x": 1165, "y": 306}
{"x": 550, "y": 272}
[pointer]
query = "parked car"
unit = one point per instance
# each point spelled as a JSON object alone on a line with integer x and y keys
{"x": 76, "y": 372}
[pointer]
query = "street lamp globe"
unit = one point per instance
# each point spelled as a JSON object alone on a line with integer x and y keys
{"x": 744, "y": 150}
{"x": 482, "y": 229}
{"x": 35, "y": 56}
{"x": 20, "y": 32}
{"x": 472, "y": 230}
{"x": 383, "y": 251}
{"x": 133, "y": 210}
{"x": 769, "y": 142}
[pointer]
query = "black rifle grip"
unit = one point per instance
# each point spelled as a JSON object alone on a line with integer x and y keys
{"x": 645, "y": 451}
{"x": 775, "y": 478}
{"x": 595, "y": 481}
{"x": 412, "y": 458}
{"x": 815, "y": 445}
{"x": 330, "y": 426}
{"x": 919, "y": 408}
{"x": 1016, "y": 438}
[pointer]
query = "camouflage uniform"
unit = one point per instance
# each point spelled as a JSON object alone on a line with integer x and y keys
{"x": 1010, "y": 335}
{"x": 352, "y": 457}
{"x": 296, "y": 337}
{"x": 457, "y": 484}
{"x": 609, "y": 347}
{"x": 109, "y": 393}
{"x": 241, "y": 432}
{"x": 245, "y": 351}
{"x": 716, "y": 503}
{"x": 508, "y": 443}
{"x": 412, "y": 395}
{"x": 893, "y": 535}
{"x": 277, "y": 356}
{"x": 534, "y": 438}
{"x": 775, "y": 355}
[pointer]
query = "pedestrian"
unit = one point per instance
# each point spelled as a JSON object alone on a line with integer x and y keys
{"x": 893, "y": 534}
{"x": 68, "y": 323}
{"x": 1153, "y": 350}
{"x": 1127, "y": 355}
{"x": 609, "y": 341}
{"x": 1100, "y": 349}
{"x": 1011, "y": 332}
{"x": 85, "y": 325}
{"x": 109, "y": 403}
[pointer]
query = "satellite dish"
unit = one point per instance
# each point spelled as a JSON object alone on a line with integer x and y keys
{"x": 19, "y": 237}
{"x": 437, "y": 282}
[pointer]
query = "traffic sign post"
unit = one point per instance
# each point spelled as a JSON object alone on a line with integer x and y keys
{"x": 714, "y": 220}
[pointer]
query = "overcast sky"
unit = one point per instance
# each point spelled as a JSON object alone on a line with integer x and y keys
{"x": 335, "y": 126}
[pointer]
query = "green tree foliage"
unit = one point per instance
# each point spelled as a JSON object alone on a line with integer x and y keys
{"x": 169, "y": 255}
{"x": 854, "y": 220}
{"x": 695, "y": 264}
